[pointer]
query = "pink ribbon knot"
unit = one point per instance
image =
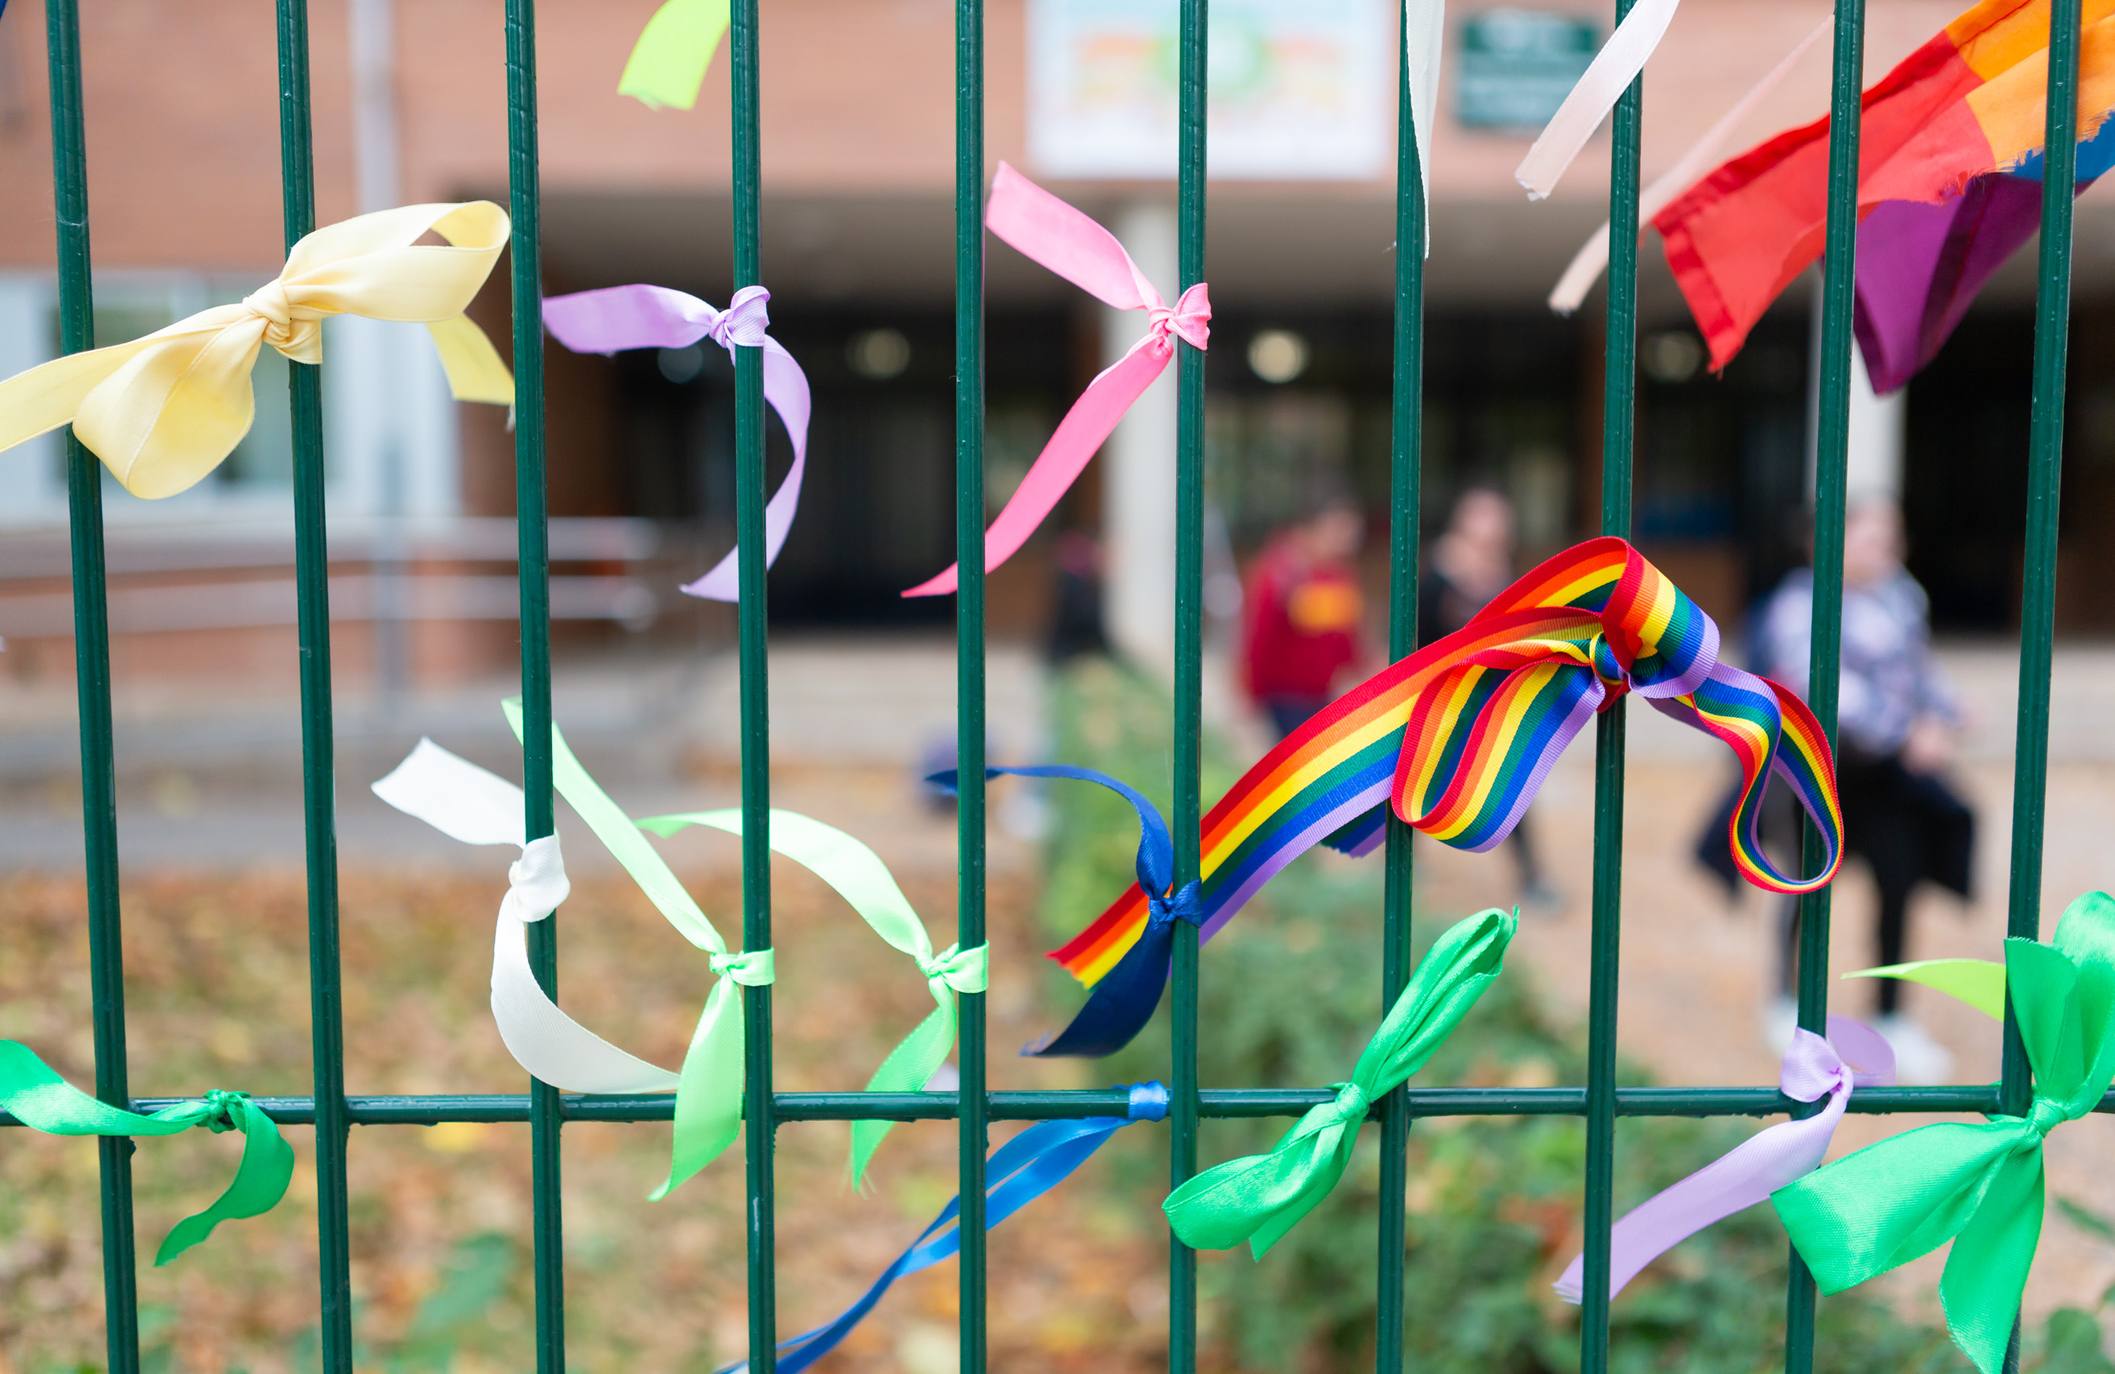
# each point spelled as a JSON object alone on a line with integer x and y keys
{"x": 1045, "y": 228}
{"x": 743, "y": 323}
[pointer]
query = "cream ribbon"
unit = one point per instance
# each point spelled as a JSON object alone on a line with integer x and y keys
{"x": 163, "y": 411}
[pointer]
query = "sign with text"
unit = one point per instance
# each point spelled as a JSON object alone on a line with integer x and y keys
{"x": 1516, "y": 67}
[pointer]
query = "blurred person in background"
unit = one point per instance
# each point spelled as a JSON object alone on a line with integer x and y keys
{"x": 1472, "y": 561}
{"x": 1303, "y": 621}
{"x": 1897, "y": 725}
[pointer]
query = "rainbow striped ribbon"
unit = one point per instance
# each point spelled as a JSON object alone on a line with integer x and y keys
{"x": 1459, "y": 736}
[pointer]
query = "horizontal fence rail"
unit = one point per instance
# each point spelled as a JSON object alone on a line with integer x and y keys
{"x": 1599, "y": 1102}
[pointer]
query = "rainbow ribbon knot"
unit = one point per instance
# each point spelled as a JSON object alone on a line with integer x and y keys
{"x": 1978, "y": 1185}
{"x": 1814, "y": 1069}
{"x": 1459, "y": 736}
{"x": 1258, "y": 1198}
{"x": 39, "y": 1098}
{"x": 1069, "y": 243}
{"x": 615, "y": 318}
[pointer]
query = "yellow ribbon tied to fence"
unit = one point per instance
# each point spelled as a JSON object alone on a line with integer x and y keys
{"x": 163, "y": 411}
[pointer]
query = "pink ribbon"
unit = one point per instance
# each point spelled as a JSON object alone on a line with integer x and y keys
{"x": 639, "y": 316}
{"x": 1072, "y": 245}
{"x": 1812, "y": 1069}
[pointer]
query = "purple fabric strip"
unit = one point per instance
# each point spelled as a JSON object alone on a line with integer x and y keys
{"x": 1854, "y": 1055}
{"x": 640, "y": 316}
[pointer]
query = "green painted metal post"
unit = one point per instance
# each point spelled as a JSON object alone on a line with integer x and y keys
{"x": 532, "y": 546}
{"x": 1831, "y": 469}
{"x": 91, "y": 657}
{"x": 753, "y": 627}
{"x": 2045, "y": 458}
{"x": 969, "y": 652}
{"x": 1617, "y": 437}
{"x": 1189, "y": 671}
{"x": 318, "y": 746}
{"x": 1404, "y": 474}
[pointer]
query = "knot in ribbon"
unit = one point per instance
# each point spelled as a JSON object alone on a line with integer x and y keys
{"x": 1189, "y": 319}
{"x": 1186, "y": 906}
{"x": 1047, "y": 230}
{"x": 39, "y": 1098}
{"x": 752, "y": 968}
{"x": 164, "y": 410}
{"x": 1259, "y": 1198}
{"x": 1978, "y": 1185}
{"x": 536, "y": 882}
{"x": 298, "y": 337}
{"x": 964, "y": 970}
{"x": 743, "y": 324}
{"x": 1813, "y": 1068}
{"x": 1458, "y": 737}
{"x": 1148, "y": 1102}
{"x": 857, "y": 874}
{"x": 616, "y": 318}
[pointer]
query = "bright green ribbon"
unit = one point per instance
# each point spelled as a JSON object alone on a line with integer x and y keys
{"x": 1978, "y": 1185}
{"x": 38, "y": 1098}
{"x": 668, "y": 63}
{"x": 1978, "y": 982}
{"x": 858, "y": 875}
{"x": 1258, "y": 1198}
{"x": 709, "y": 1085}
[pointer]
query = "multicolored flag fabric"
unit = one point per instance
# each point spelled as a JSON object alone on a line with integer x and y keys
{"x": 1950, "y": 158}
{"x": 1459, "y": 736}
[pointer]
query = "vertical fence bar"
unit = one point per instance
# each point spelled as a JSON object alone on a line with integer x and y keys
{"x": 969, "y": 650}
{"x": 755, "y": 708}
{"x": 1189, "y": 670}
{"x": 91, "y": 657}
{"x": 1617, "y": 426}
{"x": 318, "y": 748}
{"x": 533, "y": 559}
{"x": 1831, "y": 474}
{"x": 1404, "y": 479}
{"x": 2045, "y": 458}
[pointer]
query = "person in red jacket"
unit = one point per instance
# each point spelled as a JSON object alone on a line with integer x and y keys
{"x": 1303, "y": 618}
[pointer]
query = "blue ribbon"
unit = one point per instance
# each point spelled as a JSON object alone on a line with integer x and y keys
{"x": 1118, "y": 1006}
{"x": 1017, "y": 1173}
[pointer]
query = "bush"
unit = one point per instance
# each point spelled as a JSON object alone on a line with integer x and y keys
{"x": 1495, "y": 1201}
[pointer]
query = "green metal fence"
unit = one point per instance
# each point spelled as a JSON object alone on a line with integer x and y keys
{"x": 331, "y": 1111}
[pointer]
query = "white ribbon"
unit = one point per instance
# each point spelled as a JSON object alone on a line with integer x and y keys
{"x": 1599, "y": 88}
{"x": 1424, "y": 38}
{"x": 467, "y": 803}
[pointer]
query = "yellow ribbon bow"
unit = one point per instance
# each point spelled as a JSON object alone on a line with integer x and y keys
{"x": 163, "y": 411}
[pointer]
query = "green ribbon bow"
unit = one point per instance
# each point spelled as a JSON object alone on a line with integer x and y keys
{"x": 1258, "y": 1198}
{"x": 1978, "y": 1185}
{"x": 860, "y": 877}
{"x": 38, "y": 1098}
{"x": 668, "y": 63}
{"x": 709, "y": 1085}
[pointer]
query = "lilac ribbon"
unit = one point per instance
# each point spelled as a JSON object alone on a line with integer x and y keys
{"x": 640, "y": 316}
{"x": 1855, "y": 1055}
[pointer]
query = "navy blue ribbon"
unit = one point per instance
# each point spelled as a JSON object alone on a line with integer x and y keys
{"x": 1119, "y": 1005}
{"x": 1016, "y": 1174}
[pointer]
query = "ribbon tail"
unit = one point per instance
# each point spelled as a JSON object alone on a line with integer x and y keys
{"x": 34, "y": 1094}
{"x": 49, "y": 395}
{"x": 668, "y": 63}
{"x": 1424, "y": 39}
{"x": 1118, "y": 1006}
{"x": 1256, "y": 1199}
{"x": 1980, "y": 983}
{"x": 475, "y": 370}
{"x": 1986, "y": 1272}
{"x": 261, "y": 1179}
{"x": 906, "y": 1070}
{"x": 1606, "y": 78}
{"x": 549, "y": 1044}
{"x": 1737, "y": 1180}
{"x": 786, "y": 392}
{"x": 709, "y": 1090}
{"x": 1078, "y": 437}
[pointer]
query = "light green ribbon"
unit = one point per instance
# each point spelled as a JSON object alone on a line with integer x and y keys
{"x": 668, "y": 63}
{"x": 1258, "y": 1198}
{"x": 709, "y": 1085}
{"x": 1978, "y": 982}
{"x": 1978, "y": 1185}
{"x": 858, "y": 875}
{"x": 37, "y": 1097}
